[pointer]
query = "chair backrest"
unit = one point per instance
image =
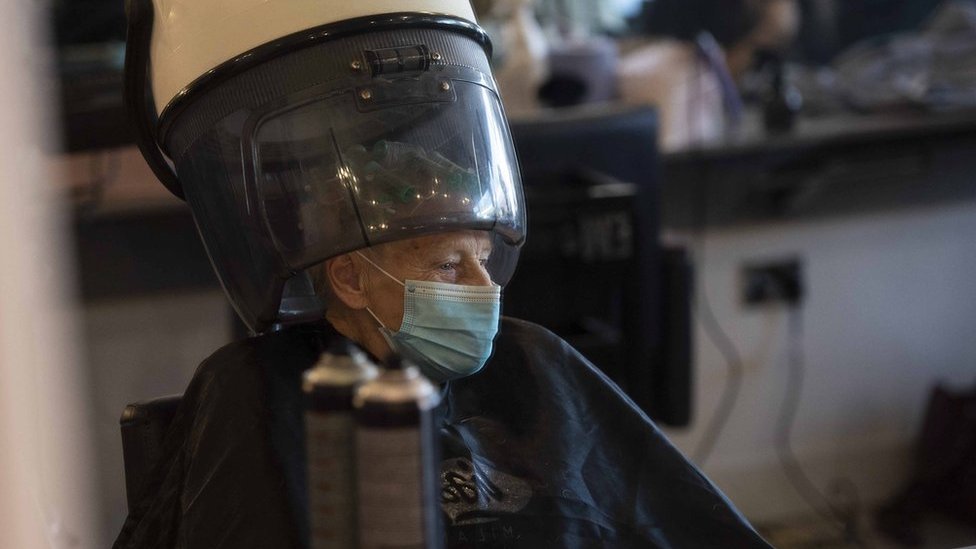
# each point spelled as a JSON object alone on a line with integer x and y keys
{"x": 144, "y": 426}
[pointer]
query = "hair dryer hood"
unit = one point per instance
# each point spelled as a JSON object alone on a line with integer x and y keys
{"x": 298, "y": 130}
{"x": 192, "y": 37}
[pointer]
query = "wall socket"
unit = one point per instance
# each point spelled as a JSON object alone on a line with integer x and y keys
{"x": 769, "y": 282}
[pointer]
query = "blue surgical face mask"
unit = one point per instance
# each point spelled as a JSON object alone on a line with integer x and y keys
{"x": 447, "y": 329}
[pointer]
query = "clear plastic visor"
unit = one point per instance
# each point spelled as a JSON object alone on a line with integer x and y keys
{"x": 397, "y": 159}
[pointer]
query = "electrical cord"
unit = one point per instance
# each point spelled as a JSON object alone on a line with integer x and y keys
{"x": 722, "y": 342}
{"x": 733, "y": 383}
{"x": 714, "y": 331}
{"x": 845, "y": 520}
{"x": 735, "y": 368}
{"x": 704, "y": 314}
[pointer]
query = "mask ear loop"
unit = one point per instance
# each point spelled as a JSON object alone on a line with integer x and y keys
{"x": 368, "y": 310}
{"x": 376, "y": 318}
{"x": 381, "y": 269}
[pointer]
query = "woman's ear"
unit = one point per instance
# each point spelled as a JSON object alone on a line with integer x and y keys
{"x": 346, "y": 279}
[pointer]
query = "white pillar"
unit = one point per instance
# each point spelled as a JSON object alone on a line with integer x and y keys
{"x": 46, "y": 477}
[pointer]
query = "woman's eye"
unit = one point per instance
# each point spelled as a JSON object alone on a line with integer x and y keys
{"x": 483, "y": 262}
{"x": 448, "y": 266}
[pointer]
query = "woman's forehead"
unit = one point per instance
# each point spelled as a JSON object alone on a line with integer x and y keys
{"x": 469, "y": 241}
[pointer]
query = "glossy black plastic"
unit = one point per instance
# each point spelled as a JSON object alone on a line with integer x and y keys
{"x": 138, "y": 100}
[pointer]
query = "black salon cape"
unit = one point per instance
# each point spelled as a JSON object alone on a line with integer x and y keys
{"x": 539, "y": 450}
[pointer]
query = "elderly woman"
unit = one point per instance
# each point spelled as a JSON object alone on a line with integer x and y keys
{"x": 356, "y": 179}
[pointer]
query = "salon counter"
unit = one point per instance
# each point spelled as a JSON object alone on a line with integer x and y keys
{"x": 827, "y": 166}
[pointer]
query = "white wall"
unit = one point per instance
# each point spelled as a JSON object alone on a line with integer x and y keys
{"x": 140, "y": 349}
{"x": 889, "y": 311}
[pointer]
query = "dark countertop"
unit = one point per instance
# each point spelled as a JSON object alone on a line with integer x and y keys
{"x": 832, "y": 131}
{"x": 832, "y": 165}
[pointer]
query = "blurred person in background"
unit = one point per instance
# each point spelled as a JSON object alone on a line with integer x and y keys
{"x": 698, "y": 51}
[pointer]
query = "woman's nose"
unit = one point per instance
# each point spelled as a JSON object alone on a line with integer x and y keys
{"x": 476, "y": 275}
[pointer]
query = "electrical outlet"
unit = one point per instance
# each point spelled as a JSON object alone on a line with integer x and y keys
{"x": 773, "y": 282}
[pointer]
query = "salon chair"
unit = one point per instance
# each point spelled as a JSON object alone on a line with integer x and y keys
{"x": 144, "y": 426}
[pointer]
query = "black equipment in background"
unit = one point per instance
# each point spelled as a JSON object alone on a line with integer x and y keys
{"x": 593, "y": 270}
{"x": 89, "y": 45}
{"x": 943, "y": 476}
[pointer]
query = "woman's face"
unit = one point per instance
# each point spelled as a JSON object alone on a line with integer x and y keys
{"x": 454, "y": 258}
